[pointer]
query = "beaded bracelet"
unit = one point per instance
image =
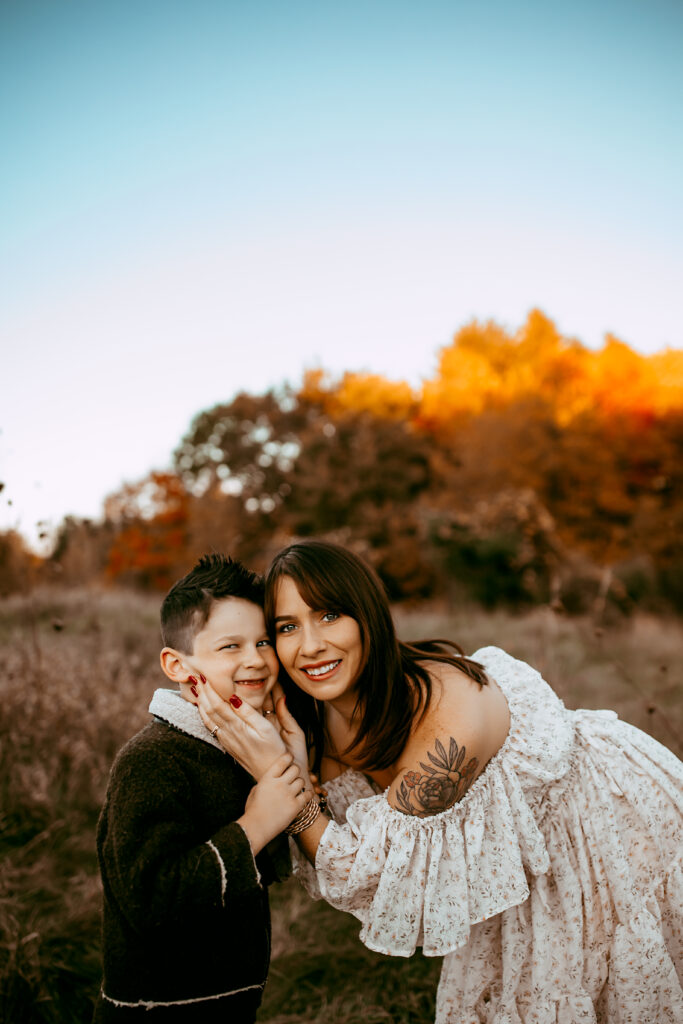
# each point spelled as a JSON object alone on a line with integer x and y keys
{"x": 304, "y": 818}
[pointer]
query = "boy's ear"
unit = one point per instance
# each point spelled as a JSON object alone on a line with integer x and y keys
{"x": 173, "y": 665}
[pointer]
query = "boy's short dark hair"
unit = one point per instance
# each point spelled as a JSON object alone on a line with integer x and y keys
{"x": 187, "y": 606}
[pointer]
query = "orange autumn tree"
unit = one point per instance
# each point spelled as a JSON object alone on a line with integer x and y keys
{"x": 151, "y": 528}
{"x": 596, "y": 434}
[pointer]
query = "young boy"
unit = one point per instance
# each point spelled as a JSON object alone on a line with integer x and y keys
{"x": 183, "y": 832}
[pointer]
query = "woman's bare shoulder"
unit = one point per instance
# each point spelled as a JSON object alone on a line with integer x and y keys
{"x": 463, "y": 728}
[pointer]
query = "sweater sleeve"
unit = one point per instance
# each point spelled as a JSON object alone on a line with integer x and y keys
{"x": 425, "y": 881}
{"x": 151, "y": 861}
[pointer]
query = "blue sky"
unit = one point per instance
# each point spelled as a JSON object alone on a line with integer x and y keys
{"x": 198, "y": 198}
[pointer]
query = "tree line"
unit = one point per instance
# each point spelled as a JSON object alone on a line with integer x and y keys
{"x": 528, "y": 469}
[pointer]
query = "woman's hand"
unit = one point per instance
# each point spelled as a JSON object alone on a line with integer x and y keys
{"x": 289, "y": 728}
{"x": 241, "y": 730}
{"x": 294, "y": 738}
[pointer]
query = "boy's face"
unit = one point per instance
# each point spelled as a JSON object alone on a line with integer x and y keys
{"x": 234, "y": 653}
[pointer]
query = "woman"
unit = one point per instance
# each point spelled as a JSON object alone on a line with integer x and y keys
{"x": 539, "y": 850}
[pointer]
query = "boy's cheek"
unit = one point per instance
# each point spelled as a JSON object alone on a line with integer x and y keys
{"x": 271, "y": 682}
{"x": 186, "y": 692}
{"x": 223, "y": 688}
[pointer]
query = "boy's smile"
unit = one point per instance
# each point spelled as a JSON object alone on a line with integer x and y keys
{"x": 234, "y": 653}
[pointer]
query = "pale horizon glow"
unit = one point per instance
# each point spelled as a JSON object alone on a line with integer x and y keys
{"x": 198, "y": 201}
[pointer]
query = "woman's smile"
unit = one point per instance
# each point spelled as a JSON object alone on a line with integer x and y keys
{"x": 323, "y": 670}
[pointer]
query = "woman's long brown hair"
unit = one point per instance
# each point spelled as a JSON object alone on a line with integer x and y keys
{"x": 394, "y": 686}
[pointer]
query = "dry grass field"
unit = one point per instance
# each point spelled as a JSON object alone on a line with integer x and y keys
{"x": 78, "y": 669}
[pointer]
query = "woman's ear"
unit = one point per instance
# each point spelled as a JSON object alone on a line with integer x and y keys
{"x": 173, "y": 665}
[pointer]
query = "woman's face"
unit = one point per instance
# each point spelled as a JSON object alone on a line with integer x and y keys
{"x": 320, "y": 650}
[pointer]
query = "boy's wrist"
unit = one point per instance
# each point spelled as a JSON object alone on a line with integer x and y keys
{"x": 256, "y": 830}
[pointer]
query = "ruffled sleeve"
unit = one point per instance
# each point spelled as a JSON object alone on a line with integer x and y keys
{"x": 425, "y": 881}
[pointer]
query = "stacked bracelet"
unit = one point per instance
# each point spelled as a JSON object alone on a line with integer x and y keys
{"x": 304, "y": 818}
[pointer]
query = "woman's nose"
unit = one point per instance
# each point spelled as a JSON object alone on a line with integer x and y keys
{"x": 311, "y": 641}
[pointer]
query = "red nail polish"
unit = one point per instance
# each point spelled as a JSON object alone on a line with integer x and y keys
{"x": 194, "y": 705}
{"x": 191, "y": 679}
{"x": 203, "y": 678}
{"x": 195, "y": 692}
{"x": 235, "y": 701}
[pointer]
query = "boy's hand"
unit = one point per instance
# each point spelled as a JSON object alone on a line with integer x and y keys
{"x": 241, "y": 730}
{"x": 273, "y": 802}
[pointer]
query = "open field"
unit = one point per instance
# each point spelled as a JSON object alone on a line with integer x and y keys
{"x": 78, "y": 669}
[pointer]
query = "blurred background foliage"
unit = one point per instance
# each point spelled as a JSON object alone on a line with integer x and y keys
{"x": 528, "y": 470}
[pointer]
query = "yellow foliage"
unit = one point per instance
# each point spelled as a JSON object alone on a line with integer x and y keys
{"x": 359, "y": 392}
{"x": 488, "y": 368}
{"x": 314, "y": 387}
{"x": 469, "y": 376}
{"x": 368, "y": 392}
{"x": 620, "y": 380}
{"x": 667, "y": 367}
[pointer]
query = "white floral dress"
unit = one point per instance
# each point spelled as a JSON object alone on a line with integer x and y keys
{"x": 553, "y": 889}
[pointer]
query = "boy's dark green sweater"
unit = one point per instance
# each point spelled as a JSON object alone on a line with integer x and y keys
{"x": 186, "y": 926}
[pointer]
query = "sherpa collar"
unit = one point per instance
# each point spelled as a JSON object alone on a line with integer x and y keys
{"x": 172, "y": 708}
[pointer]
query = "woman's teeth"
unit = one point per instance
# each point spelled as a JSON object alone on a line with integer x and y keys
{"x": 322, "y": 670}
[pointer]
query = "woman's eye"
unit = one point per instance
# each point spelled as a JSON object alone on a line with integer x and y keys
{"x": 286, "y": 627}
{"x": 330, "y": 616}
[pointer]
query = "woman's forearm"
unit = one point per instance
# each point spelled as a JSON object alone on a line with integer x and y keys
{"x": 309, "y": 839}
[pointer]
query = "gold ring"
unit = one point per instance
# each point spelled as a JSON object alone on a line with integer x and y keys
{"x": 214, "y": 731}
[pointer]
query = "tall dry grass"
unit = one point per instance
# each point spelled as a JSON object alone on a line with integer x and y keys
{"x": 77, "y": 671}
{"x": 76, "y": 674}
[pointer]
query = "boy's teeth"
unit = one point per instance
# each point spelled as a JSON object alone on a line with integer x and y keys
{"x": 322, "y": 669}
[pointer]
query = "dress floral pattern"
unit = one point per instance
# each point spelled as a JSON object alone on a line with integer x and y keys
{"x": 553, "y": 889}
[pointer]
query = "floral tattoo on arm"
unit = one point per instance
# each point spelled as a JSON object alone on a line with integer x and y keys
{"x": 443, "y": 783}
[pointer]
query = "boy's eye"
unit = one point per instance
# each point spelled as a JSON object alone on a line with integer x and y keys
{"x": 263, "y": 643}
{"x": 228, "y": 647}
